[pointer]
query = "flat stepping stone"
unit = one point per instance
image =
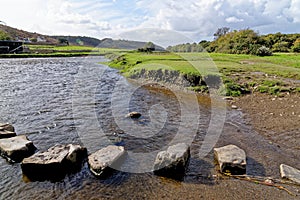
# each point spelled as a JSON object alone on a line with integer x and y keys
{"x": 172, "y": 161}
{"x": 105, "y": 159}
{"x": 54, "y": 163}
{"x": 231, "y": 159}
{"x": 7, "y": 131}
{"x": 16, "y": 148}
{"x": 290, "y": 173}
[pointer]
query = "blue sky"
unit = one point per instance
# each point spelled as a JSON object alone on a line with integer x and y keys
{"x": 162, "y": 21}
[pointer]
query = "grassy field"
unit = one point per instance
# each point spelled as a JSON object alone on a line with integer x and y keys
{"x": 61, "y": 51}
{"x": 241, "y": 73}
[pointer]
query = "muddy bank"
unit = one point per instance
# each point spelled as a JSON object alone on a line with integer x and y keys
{"x": 276, "y": 118}
{"x": 168, "y": 78}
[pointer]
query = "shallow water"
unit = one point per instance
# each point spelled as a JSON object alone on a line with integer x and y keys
{"x": 76, "y": 100}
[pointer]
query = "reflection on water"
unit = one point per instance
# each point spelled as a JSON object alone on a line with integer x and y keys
{"x": 39, "y": 97}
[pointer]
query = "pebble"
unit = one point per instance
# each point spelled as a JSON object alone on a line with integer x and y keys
{"x": 234, "y": 107}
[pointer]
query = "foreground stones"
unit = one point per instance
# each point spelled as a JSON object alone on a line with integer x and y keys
{"x": 105, "y": 159}
{"x": 231, "y": 159}
{"x": 7, "y": 131}
{"x": 172, "y": 162}
{"x": 16, "y": 148}
{"x": 133, "y": 115}
{"x": 54, "y": 163}
{"x": 290, "y": 173}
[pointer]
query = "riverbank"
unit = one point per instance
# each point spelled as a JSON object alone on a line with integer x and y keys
{"x": 241, "y": 74}
{"x": 276, "y": 118}
{"x": 48, "y": 51}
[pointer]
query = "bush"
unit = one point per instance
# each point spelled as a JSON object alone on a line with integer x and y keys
{"x": 264, "y": 51}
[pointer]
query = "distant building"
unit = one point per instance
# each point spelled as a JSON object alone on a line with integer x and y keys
{"x": 7, "y": 46}
{"x": 41, "y": 39}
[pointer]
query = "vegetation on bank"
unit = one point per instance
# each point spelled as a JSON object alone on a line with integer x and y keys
{"x": 34, "y": 51}
{"x": 244, "y": 41}
{"x": 241, "y": 74}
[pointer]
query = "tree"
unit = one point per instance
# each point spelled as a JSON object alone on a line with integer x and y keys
{"x": 148, "y": 47}
{"x": 4, "y": 36}
{"x": 296, "y": 47}
{"x": 221, "y": 31}
{"x": 63, "y": 41}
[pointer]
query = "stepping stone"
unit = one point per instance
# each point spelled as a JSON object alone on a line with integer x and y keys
{"x": 6, "y": 127}
{"x": 133, "y": 115}
{"x": 290, "y": 173}
{"x": 172, "y": 162}
{"x": 54, "y": 163}
{"x": 105, "y": 159}
{"x": 16, "y": 148}
{"x": 231, "y": 159}
{"x": 7, "y": 134}
{"x": 7, "y": 131}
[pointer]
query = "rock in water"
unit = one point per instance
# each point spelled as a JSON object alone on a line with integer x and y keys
{"x": 7, "y": 131}
{"x": 54, "y": 163}
{"x": 105, "y": 159}
{"x": 133, "y": 115}
{"x": 16, "y": 148}
{"x": 290, "y": 173}
{"x": 7, "y": 127}
{"x": 231, "y": 158}
{"x": 172, "y": 162}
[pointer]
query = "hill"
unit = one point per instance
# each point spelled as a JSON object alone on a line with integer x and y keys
{"x": 36, "y": 38}
{"x": 124, "y": 44}
{"x": 25, "y": 36}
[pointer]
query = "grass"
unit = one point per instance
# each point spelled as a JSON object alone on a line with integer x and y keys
{"x": 61, "y": 51}
{"x": 241, "y": 73}
{"x": 135, "y": 61}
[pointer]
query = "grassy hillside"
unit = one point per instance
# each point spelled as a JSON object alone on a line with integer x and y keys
{"x": 14, "y": 33}
{"x": 241, "y": 73}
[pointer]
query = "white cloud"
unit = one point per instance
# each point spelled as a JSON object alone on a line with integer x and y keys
{"x": 197, "y": 19}
{"x": 233, "y": 20}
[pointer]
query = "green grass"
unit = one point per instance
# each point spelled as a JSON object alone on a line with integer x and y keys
{"x": 65, "y": 48}
{"x": 283, "y": 65}
{"x": 184, "y": 63}
{"x": 62, "y": 51}
{"x": 237, "y": 70}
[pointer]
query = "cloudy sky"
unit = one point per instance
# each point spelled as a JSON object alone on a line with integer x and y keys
{"x": 161, "y": 21}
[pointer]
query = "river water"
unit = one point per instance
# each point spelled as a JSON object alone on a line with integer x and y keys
{"x": 76, "y": 100}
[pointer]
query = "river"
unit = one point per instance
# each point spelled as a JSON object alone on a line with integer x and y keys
{"x": 76, "y": 100}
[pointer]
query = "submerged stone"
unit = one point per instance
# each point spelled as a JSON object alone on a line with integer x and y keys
{"x": 290, "y": 173}
{"x": 231, "y": 159}
{"x": 54, "y": 163}
{"x": 133, "y": 115}
{"x": 16, "y": 148}
{"x": 172, "y": 162}
{"x": 7, "y": 131}
{"x": 105, "y": 159}
{"x": 7, "y": 127}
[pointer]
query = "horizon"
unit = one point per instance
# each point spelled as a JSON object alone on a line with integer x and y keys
{"x": 164, "y": 23}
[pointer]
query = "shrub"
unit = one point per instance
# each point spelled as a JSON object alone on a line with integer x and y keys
{"x": 263, "y": 89}
{"x": 264, "y": 51}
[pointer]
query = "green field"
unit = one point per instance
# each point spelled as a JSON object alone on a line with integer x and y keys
{"x": 61, "y": 51}
{"x": 241, "y": 73}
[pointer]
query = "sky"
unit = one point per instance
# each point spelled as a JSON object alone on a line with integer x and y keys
{"x": 165, "y": 22}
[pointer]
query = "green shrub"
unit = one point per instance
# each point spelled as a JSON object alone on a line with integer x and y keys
{"x": 264, "y": 51}
{"x": 274, "y": 90}
{"x": 272, "y": 83}
{"x": 263, "y": 89}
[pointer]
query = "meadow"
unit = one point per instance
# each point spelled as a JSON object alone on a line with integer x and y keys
{"x": 241, "y": 73}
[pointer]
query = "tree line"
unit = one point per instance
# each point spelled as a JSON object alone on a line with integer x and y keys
{"x": 245, "y": 41}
